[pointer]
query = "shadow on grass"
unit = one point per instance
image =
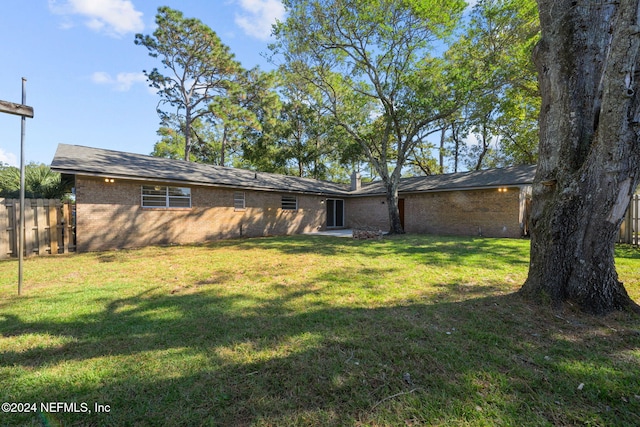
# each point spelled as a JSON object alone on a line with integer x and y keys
{"x": 200, "y": 358}
{"x": 466, "y": 251}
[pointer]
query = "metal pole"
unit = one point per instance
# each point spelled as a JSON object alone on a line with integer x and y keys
{"x": 22, "y": 224}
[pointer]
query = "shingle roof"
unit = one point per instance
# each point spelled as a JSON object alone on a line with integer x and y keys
{"x": 75, "y": 159}
{"x": 489, "y": 178}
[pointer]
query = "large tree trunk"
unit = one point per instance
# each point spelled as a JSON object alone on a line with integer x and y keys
{"x": 589, "y": 163}
{"x": 395, "y": 225}
{"x": 392, "y": 182}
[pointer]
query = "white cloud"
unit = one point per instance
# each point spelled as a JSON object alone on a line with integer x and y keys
{"x": 258, "y": 16}
{"x": 473, "y": 139}
{"x": 122, "y": 82}
{"x": 8, "y": 158}
{"x": 100, "y": 77}
{"x": 113, "y": 17}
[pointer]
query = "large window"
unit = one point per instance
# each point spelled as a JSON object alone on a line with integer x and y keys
{"x": 289, "y": 203}
{"x": 159, "y": 196}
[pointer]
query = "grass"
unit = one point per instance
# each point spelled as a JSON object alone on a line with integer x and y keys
{"x": 411, "y": 330}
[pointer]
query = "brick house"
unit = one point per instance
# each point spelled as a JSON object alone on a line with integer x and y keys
{"x": 132, "y": 200}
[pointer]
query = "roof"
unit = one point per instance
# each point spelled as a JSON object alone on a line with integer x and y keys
{"x": 81, "y": 160}
{"x": 513, "y": 176}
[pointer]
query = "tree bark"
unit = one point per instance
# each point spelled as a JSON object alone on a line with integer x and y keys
{"x": 395, "y": 225}
{"x": 187, "y": 135}
{"x": 589, "y": 162}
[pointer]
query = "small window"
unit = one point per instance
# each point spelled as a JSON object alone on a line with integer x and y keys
{"x": 238, "y": 201}
{"x": 290, "y": 203}
{"x": 160, "y": 196}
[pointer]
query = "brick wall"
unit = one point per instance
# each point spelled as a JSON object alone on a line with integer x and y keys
{"x": 110, "y": 216}
{"x": 367, "y": 213}
{"x": 490, "y": 213}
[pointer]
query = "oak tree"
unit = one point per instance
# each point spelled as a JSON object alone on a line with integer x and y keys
{"x": 589, "y": 162}
{"x": 371, "y": 63}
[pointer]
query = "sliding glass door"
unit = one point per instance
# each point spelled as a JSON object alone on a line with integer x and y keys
{"x": 335, "y": 213}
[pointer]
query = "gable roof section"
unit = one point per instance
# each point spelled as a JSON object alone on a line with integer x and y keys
{"x": 80, "y": 160}
{"x": 514, "y": 176}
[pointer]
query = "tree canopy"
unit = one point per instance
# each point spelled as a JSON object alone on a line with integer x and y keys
{"x": 361, "y": 84}
{"x": 197, "y": 67}
{"x": 371, "y": 65}
{"x": 493, "y": 72}
{"x": 39, "y": 180}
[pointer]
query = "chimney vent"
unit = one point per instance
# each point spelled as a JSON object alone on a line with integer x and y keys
{"x": 356, "y": 181}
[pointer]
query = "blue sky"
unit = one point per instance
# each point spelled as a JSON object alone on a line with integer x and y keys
{"x": 84, "y": 72}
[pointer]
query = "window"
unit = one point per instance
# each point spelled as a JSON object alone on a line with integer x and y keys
{"x": 159, "y": 196}
{"x": 238, "y": 201}
{"x": 289, "y": 203}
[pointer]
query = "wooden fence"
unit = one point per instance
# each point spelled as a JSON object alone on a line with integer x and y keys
{"x": 630, "y": 229}
{"x": 49, "y": 227}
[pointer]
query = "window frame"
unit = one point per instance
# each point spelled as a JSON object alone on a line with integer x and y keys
{"x": 163, "y": 197}
{"x": 237, "y": 198}
{"x": 287, "y": 201}
{"x": 335, "y": 212}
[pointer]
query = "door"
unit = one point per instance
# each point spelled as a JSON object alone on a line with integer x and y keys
{"x": 401, "y": 209}
{"x": 335, "y": 213}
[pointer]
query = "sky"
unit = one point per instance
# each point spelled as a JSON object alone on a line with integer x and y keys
{"x": 83, "y": 71}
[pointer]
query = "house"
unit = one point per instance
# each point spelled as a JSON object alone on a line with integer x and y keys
{"x": 132, "y": 200}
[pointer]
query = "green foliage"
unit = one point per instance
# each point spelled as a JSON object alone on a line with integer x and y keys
{"x": 198, "y": 67}
{"x": 370, "y": 65}
{"x": 39, "y": 180}
{"x": 247, "y": 114}
{"x": 171, "y": 144}
{"x": 492, "y": 71}
{"x": 291, "y": 134}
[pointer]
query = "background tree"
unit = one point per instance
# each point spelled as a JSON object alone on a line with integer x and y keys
{"x": 39, "y": 180}
{"x": 309, "y": 143}
{"x": 259, "y": 142}
{"x": 204, "y": 148}
{"x": 589, "y": 165}
{"x": 369, "y": 60}
{"x": 199, "y": 67}
{"x": 240, "y": 116}
{"x": 491, "y": 69}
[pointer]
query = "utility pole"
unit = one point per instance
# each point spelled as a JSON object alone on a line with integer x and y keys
{"x": 24, "y": 111}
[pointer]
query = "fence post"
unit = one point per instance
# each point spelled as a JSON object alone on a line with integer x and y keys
{"x": 626, "y": 233}
{"x": 634, "y": 220}
{"x": 54, "y": 205}
{"x": 30, "y": 228}
{"x": 12, "y": 228}
{"x": 4, "y": 230}
{"x": 66, "y": 226}
{"x": 41, "y": 224}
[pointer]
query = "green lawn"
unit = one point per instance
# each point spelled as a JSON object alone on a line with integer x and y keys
{"x": 411, "y": 330}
